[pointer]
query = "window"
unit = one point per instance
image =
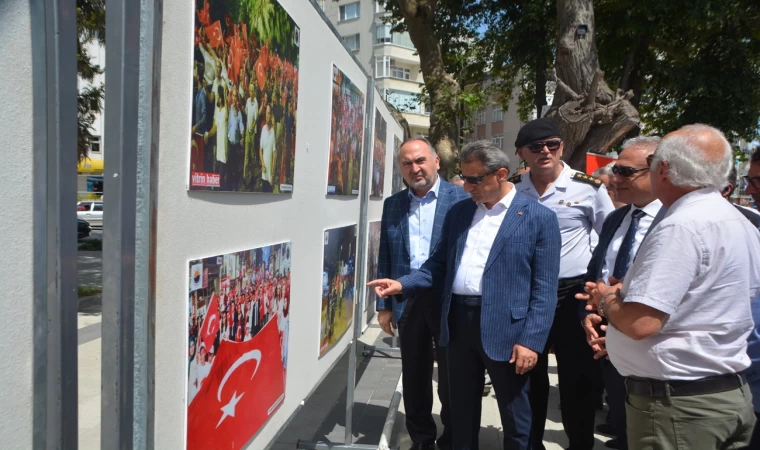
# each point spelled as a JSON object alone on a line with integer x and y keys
{"x": 482, "y": 117}
{"x": 383, "y": 33}
{"x": 402, "y": 40}
{"x": 498, "y": 140}
{"x": 465, "y": 123}
{"x": 352, "y": 42}
{"x": 382, "y": 66}
{"x": 403, "y": 101}
{"x": 95, "y": 144}
{"x": 379, "y": 7}
{"x": 400, "y": 72}
{"x": 350, "y": 11}
{"x": 321, "y": 4}
{"x": 498, "y": 113}
{"x": 97, "y": 207}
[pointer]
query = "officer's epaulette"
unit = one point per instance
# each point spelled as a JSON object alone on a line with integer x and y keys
{"x": 515, "y": 179}
{"x": 588, "y": 179}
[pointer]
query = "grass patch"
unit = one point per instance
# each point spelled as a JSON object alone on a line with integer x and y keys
{"x": 92, "y": 245}
{"x": 86, "y": 291}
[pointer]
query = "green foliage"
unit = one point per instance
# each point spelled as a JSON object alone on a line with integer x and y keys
{"x": 91, "y": 27}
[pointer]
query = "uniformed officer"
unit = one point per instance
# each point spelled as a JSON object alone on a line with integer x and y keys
{"x": 581, "y": 203}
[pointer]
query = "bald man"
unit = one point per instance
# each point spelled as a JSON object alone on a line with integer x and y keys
{"x": 679, "y": 321}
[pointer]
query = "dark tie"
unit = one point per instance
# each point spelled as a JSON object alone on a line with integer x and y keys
{"x": 625, "y": 253}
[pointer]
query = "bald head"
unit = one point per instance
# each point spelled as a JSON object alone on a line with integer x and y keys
{"x": 698, "y": 156}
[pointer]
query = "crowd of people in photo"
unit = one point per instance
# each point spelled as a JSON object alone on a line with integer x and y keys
{"x": 378, "y": 156}
{"x": 346, "y": 131}
{"x": 244, "y": 109}
{"x": 245, "y": 304}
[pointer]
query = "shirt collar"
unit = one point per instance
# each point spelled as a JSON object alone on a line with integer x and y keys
{"x": 564, "y": 177}
{"x": 651, "y": 209}
{"x": 431, "y": 193}
{"x": 692, "y": 197}
{"x": 504, "y": 203}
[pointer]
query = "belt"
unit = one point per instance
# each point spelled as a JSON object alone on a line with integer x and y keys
{"x": 680, "y": 388}
{"x": 467, "y": 300}
{"x": 565, "y": 282}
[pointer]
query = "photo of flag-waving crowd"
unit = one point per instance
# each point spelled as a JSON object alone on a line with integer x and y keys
{"x": 245, "y": 92}
{"x": 346, "y": 134}
{"x": 378, "y": 156}
{"x": 373, "y": 254}
{"x": 397, "y": 184}
{"x": 338, "y": 288}
{"x": 238, "y": 327}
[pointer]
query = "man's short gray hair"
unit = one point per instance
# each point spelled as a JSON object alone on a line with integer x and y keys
{"x": 492, "y": 157}
{"x": 688, "y": 166}
{"x": 421, "y": 139}
{"x": 606, "y": 170}
{"x": 651, "y": 143}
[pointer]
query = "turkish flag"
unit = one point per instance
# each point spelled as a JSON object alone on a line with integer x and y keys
{"x": 244, "y": 388}
{"x": 214, "y": 34}
{"x": 203, "y": 14}
{"x": 260, "y": 73}
{"x": 207, "y": 333}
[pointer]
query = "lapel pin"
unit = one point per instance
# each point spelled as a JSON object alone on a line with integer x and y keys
{"x": 577, "y": 203}
{"x": 569, "y": 203}
{"x": 561, "y": 202}
{"x": 519, "y": 213}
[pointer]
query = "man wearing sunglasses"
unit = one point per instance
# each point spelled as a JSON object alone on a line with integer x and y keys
{"x": 752, "y": 179}
{"x": 622, "y": 233}
{"x": 497, "y": 264}
{"x": 410, "y": 229}
{"x": 751, "y": 214}
{"x": 581, "y": 204}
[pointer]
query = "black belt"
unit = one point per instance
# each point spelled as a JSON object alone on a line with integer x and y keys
{"x": 680, "y": 388}
{"x": 467, "y": 300}
{"x": 565, "y": 282}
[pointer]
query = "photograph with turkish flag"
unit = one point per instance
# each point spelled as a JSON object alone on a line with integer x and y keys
{"x": 373, "y": 256}
{"x": 245, "y": 93}
{"x": 378, "y": 156}
{"x": 339, "y": 263}
{"x": 346, "y": 136}
{"x": 238, "y": 309}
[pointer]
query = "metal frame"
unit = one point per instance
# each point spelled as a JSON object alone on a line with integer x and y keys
{"x": 130, "y": 178}
{"x": 54, "y": 81}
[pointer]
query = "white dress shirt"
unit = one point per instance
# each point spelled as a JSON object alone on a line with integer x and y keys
{"x": 650, "y": 211}
{"x": 421, "y": 219}
{"x": 581, "y": 209}
{"x": 700, "y": 267}
{"x": 480, "y": 237}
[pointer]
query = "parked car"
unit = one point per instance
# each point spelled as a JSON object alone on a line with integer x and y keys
{"x": 83, "y": 229}
{"x": 91, "y": 211}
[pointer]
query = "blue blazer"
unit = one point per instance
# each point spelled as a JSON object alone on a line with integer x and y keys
{"x": 519, "y": 285}
{"x": 394, "y": 257}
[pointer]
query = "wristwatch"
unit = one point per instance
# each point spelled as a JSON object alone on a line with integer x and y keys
{"x": 603, "y": 301}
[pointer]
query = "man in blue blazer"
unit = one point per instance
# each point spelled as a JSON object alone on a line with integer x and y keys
{"x": 410, "y": 229}
{"x": 497, "y": 264}
{"x": 620, "y": 238}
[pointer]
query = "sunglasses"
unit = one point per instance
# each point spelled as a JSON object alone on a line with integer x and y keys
{"x": 625, "y": 171}
{"x": 754, "y": 181}
{"x": 475, "y": 179}
{"x": 537, "y": 147}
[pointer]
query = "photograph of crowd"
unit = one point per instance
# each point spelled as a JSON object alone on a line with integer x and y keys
{"x": 339, "y": 264}
{"x": 373, "y": 252}
{"x": 378, "y": 156}
{"x": 397, "y": 183}
{"x": 346, "y": 134}
{"x": 238, "y": 309}
{"x": 245, "y": 92}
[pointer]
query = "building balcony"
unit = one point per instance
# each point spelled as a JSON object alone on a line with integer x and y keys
{"x": 405, "y": 54}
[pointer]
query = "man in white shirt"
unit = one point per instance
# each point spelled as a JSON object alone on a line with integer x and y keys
{"x": 621, "y": 236}
{"x": 266, "y": 151}
{"x": 497, "y": 264}
{"x": 680, "y": 319}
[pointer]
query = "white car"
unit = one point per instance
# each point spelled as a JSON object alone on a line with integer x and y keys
{"x": 91, "y": 211}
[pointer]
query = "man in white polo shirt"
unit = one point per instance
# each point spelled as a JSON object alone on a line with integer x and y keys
{"x": 680, "y": 320}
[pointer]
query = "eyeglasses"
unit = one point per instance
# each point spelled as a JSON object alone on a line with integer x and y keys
{"x": 477, "y": 179}
{"x": 753, "y": 181}
{"x": 537, "y": 147}
{"x": 625, "y": 171}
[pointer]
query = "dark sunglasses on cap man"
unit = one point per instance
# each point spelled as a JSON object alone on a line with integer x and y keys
{"x": 538, "y": 147}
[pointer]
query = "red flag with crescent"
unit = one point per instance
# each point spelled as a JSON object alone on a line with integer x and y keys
{"x": 245, "y": 386}
{"x": 214, "y": 34}
{"x": 210, "y": 327}
{"x": 203, "y": 14}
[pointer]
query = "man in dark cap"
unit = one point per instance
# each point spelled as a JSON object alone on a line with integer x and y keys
{"x": 581, "y": 204}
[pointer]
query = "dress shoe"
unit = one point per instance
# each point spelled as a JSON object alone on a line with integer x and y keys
{"x": 606, "y": 429}
{"x": 615, "y": 443}
{"x": 422, "y": 447}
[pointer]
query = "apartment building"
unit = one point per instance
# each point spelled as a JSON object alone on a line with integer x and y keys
{"x": 90, "y": 170}
{"x": 389, "y": 57}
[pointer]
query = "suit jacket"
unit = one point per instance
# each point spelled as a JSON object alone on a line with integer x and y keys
{"x": 519, "y": 284}
{"x": 394, "y": 257}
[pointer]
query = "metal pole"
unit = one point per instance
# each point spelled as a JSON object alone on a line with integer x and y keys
{"x": 54, "y": 78}
{"x": 131, "y": 125}
{"x": 360, "y": 257}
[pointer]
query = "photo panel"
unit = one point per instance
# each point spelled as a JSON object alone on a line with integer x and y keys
{"x": 373, "y": 254}
{"x": 238, "y": 327}
{"x": 245, "y": 93}
{"x": 338, "y": 285}
{"x": 346, "y": 136}
{"x": 378, "y": 156}
{"x": 397, "y": 184}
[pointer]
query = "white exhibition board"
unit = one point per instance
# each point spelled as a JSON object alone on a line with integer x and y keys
{"x": 198, "y": 224}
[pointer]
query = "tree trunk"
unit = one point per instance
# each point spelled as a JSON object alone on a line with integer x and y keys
{"x": 400, "y": 119}
{"x": 591, "y": 116}
{"x": 419, "y": 17}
